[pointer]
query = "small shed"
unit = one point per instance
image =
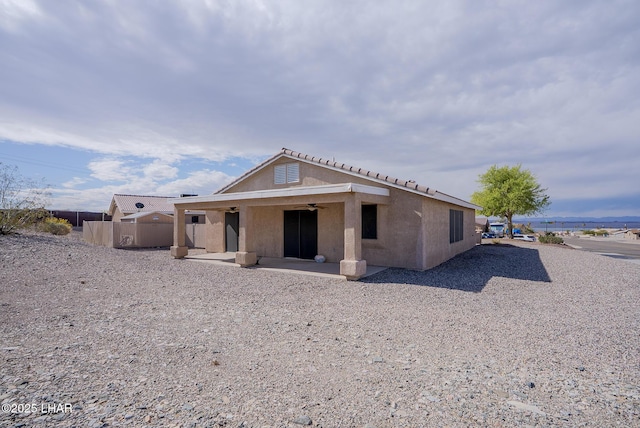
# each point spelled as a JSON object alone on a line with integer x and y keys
{"x": 147, "y": 217}
{"x": 124, "y": 206}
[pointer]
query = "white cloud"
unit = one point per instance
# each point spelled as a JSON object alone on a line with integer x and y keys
{"x": 202, "y": 182}
{"x": 97, "y": 199}
{"x": 435, "y": 92}
{"x": 75, "y": 181}
{"x": 13, "y": 13}
{"x": 109, "y": 169}
{"x": 159, "y": 170}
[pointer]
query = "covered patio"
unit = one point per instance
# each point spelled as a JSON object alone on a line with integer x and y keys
{"x": 287, "y": 265}
{"x": 264, "y": 228}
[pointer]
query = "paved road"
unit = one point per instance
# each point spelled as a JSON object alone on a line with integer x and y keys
{"x": 612, "y": 247}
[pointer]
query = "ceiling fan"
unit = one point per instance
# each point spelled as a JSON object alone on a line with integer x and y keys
{"x": 227, "y": 210}
{"x": 310, "y": 207}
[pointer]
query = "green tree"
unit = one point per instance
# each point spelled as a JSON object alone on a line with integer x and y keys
{"x": 507, "y": 191}
{"x": 22, "y": 200}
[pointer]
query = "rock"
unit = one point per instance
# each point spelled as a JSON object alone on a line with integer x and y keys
{"x": 526, "y": 407}
{"x": 501, "y": 393}
{"x": 302, "y": 420}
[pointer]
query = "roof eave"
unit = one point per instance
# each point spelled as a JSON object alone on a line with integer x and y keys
{"x": 284, "y": 193}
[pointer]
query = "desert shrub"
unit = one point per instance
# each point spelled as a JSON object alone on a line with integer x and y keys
{"x": 22, "y": 200}
{"x": 550, "y": 238}
{"x": 56, "y": 226}
{"x": 599, "y": 232}
{"x": 495, "y": 241}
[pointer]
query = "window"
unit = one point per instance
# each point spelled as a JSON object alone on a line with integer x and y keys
{"x": 286, "y": 173}
{"x": 369, "y": 222}
{"x": 455, "y": 226}
{"x": 195, "y": 219}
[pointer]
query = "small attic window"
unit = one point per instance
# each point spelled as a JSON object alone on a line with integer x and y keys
{"x": 286, "y": 173}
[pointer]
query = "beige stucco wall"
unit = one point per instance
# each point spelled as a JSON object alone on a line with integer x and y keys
{"x": 117, "y": 215}
{"x": 399, "y": 231}
{"x": 268, "y": 227}
{"x": 331, "y": 232}
{"x": 436, "y": 232}
{"x": 127, "y": 235}
{"x": 630, "y": 234}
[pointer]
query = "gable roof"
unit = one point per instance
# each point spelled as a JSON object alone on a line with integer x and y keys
{"x": 127, "y": 204}
{"x": 407, "y": 185}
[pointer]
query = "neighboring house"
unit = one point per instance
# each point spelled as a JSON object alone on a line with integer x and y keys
{"x": 295, "y": 205}
{"x": 142, "y": 222}
{"x": 125, "y": 205}
{"x": 632, "y": 234}
{"x": 482, "y": 224}
{"x": 147, "y": 217}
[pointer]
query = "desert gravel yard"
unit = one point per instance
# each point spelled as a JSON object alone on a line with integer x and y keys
{"x": 500, "y": 336}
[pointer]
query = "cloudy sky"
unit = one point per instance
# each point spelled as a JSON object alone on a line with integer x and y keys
{"x": 170, "y": 97}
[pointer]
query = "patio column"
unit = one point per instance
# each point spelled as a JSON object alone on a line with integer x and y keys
{"x": 246, "y": 255}
{"x": 353, "y": 267}
{"x": 179, "y": 248}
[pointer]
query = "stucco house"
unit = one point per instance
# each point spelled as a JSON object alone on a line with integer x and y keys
{"x": 632, "y": 234}
{"x": 141, "y": 221}
{"x": 296, "y": 205}
{"x": 482, "y": 224}
{"x": 148, "y": 217}
{"x": 122, "y": 207}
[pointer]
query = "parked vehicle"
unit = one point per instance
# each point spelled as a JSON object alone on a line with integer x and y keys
{"x": 521, "y": 237}
{"x": 497, "y": 229}
{"x": 488, "y": 235}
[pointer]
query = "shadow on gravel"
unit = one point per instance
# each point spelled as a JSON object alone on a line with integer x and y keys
{"x": 470, "y": 271}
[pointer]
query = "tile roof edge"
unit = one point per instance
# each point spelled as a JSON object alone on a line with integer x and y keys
{"x": 409, "y": 184}
{"x": 143, "y": 196}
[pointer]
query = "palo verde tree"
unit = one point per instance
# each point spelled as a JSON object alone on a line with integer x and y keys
{"x": 507, "y": 191}
{"x": 22, "y": 200}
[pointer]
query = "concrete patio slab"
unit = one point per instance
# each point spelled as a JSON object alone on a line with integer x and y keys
{"x": 287, "y": 265}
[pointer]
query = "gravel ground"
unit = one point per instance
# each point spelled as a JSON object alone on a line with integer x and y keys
{"x": 503, "y": 335}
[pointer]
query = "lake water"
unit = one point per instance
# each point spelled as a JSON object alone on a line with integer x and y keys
{"x": 559, "y": 225}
